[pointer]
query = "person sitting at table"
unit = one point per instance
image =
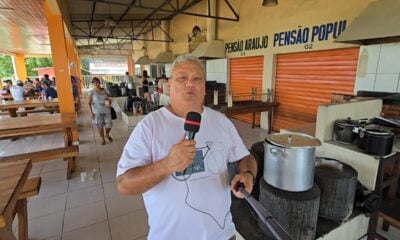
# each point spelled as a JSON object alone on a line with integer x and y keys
{"x": 17, "y": 92}
{"x": 36, "y": 86}
{"x": 48, "y": 91}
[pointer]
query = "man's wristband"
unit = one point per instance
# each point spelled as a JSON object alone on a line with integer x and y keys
{"x": 251, "y": 173}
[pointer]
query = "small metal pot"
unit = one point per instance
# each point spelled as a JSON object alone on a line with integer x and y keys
{"x": 375, "y": 141}
{"x": 343, "y": 130}
{"x": 289, "y": 161}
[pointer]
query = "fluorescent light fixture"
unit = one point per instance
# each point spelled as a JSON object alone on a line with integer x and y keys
{"x": 99, "y": 40}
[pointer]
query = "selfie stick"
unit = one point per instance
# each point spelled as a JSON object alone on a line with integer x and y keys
{"x": 273, "y": 226}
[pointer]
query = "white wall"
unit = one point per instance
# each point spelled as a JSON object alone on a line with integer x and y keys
{"x": 378, "y": 68}
{"x": 217, "y": 70}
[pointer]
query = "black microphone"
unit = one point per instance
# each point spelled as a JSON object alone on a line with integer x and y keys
{"x": 192, "y": 125}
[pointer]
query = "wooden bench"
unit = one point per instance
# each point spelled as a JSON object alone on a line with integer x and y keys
{"x": 67, "y": 153}
{"x": 37, "y": 110}
{"x": 31, "y": 188}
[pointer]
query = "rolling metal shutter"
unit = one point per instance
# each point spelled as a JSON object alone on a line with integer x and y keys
{"x": 245, "y": 74}
{"x": 305, "y": 80}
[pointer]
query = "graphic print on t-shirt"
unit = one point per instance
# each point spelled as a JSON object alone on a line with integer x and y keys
{"x": 196, "y": 166}
{"x": 208, "y": 158}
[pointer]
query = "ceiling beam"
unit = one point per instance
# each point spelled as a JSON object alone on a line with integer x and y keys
{"x": 179, "y": 10}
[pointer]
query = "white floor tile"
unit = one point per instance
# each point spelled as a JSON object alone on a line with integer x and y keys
{"x": 52, "y": 188}
{"x": 52, "y": 238}
{"x": 76, "y": 184}
{"x": 46, "y": 227}
{"x": 45, "y": 206}
{"x": 84, "y": 216}
{"x": 84, "y": 196}
{"x": 53, "y": 165}
{"x": 99, "y": 231}
{"x": 36, "y": 169}
{"x": 121, "y": 205}
{"x": 130, "y": 226}
{"x": 110, "y": 190}
{"x": 54, "y": 176}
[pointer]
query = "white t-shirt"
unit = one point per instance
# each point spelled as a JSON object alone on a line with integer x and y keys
{"x": 198, "y": 208}
{"x": 17, "y": 92}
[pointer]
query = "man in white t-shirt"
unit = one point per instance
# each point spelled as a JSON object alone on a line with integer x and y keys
{"x": 17, "y": 92}
{"x": 185, "y": 183}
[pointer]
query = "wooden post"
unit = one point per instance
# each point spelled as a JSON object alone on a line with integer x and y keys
{"x": 338, "y": 187}
{"x": 296, "y": 212}
{"x": 22, "y": 211}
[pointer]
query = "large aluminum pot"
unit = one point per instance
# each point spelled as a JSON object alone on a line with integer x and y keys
{"x": 289, "y": 161}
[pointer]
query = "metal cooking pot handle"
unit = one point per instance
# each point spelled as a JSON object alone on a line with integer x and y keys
{"x": 361, "y": 133}
{"x": 276, "y": 151}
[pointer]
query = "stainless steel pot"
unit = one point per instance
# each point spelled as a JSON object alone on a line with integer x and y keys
{"x": 289, "y": 161}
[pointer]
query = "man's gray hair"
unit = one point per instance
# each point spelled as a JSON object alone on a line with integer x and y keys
{"x": 188, "y": 58}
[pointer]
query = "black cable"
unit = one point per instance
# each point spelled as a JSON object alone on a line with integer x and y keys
{"x": 187, "y": 193}
{"x": 206, "y": 213}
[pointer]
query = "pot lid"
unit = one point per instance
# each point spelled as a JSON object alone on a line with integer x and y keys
{"x": 293, "y": 140}
{"x": 378, "y": 132}
{"x": 347, "y": 122}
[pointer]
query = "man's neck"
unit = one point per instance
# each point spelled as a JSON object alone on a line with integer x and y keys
{"x": 181, "y": 112}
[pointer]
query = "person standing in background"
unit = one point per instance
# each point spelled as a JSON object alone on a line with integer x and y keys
{"x": 145, "y": 84}
{"x": 129, "y": 83}
{"x": 75, "y": 82}
{"x": 163, "y": 99}
{"x": 46, "y": 78}
{"x": 99, "y": 105}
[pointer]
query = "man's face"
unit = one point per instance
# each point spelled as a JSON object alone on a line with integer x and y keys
{"x": 187, "y": 86}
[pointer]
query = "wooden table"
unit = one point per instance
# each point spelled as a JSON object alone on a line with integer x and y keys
{"x": 6, "y": 96}
{"x": 38, "y": 125}
{"x": 12, "y": 106}
{"x": 243, "y": 107}
{"x": 13, "y": 176}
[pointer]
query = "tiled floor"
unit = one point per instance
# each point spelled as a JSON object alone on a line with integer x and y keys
{"x": 90, "y": 210}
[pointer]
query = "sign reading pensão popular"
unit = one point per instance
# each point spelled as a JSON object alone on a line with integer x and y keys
{"x": 307, "y": 36}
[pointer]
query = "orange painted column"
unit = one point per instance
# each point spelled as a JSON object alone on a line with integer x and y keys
{"x": 131, "y": 66}
{"x": 20, "y": 67}
{"x": 60, "y": 59}
{"x": 59, "y": 53}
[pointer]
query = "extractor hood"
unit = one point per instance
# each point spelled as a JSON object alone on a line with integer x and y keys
{"x": 378, "y": 23}
{"x": 210, "y": 49}
{"x": 145, "y": 60}
{"x": 164, "y": 57}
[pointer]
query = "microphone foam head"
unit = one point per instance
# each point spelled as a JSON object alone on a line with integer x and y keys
{"x": 192, "y": 122}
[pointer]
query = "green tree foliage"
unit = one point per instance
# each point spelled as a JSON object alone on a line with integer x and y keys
{"x": 6, "y": 68}
{"x": 33, "y": 63}
{"x": 85, "y": 65}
